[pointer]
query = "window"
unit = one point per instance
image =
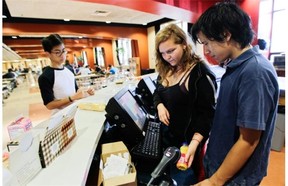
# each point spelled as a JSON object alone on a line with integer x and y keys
{"x": 272, "y": 17}
{"x": 99, "y": 56}
{"x": 84, "y": 56}
{"x": 124, "y": 51}
{"x": 279, "y": 27}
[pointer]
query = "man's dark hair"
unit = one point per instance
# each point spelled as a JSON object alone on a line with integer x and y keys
{"x": 51, "y": 41}
{"x": 221, "y": 18}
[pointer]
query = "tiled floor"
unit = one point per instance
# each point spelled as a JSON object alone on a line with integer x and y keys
{"x": 276, "y": 169}
{"x": 26, "y": 100}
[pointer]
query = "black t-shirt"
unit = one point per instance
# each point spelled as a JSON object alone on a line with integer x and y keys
{"x": 55, "y": 83}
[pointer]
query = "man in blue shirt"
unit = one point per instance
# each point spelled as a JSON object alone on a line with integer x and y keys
{"x": 240, "y": 139}
{"x": 112, "y": 69}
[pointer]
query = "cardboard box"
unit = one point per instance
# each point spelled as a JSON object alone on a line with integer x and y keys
{"x": 19, "y": 127}
{"x": 116, "y": 148}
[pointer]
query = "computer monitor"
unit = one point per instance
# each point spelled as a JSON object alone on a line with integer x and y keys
{"x": 145, "y": 89}
{"x": 279, "y": 61}
{"x": 146, "y": 86}
{"x": 150, "y": 84}
{"x": 129, "y": 117}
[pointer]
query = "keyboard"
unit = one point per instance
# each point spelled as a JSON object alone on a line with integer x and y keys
{"x": 150, "y": 147}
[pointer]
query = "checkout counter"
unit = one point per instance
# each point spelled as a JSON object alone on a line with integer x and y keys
{"x": 72, "y": 166}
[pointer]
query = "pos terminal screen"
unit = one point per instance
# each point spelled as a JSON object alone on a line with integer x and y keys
{"x": 128, "y": 102}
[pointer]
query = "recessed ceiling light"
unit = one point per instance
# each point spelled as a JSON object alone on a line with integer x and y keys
{"x": 14, "y": 37}
{"x": 108, "y": 22}
{"x": 66, "y": 19}
{"x": 4, "y": 16}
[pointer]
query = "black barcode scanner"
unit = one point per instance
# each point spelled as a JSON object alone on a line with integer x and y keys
{"x": 171, "y": 155}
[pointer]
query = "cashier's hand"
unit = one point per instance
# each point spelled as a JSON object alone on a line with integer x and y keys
{"x": 82, "y": 93}
{"x": 189, "y": 157}
{"x": 90, "y": 91}
{"x": 163, "y": 114}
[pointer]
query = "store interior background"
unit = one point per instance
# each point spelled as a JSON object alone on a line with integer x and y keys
{"x": 28, "y": 21}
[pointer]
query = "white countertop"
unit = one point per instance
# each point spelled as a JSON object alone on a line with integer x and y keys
{"x": 72, "y": 166}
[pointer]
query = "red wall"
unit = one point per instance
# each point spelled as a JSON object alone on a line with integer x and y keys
{"x": 252, "y": 8}
{"x": 107, "y": 33}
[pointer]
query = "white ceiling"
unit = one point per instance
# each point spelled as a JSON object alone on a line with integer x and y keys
{"x": 77, "y": 11}
{"x": 83, "y": 11}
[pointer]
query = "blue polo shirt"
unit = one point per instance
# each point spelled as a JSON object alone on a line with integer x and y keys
{"x": 248, "y": 98}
